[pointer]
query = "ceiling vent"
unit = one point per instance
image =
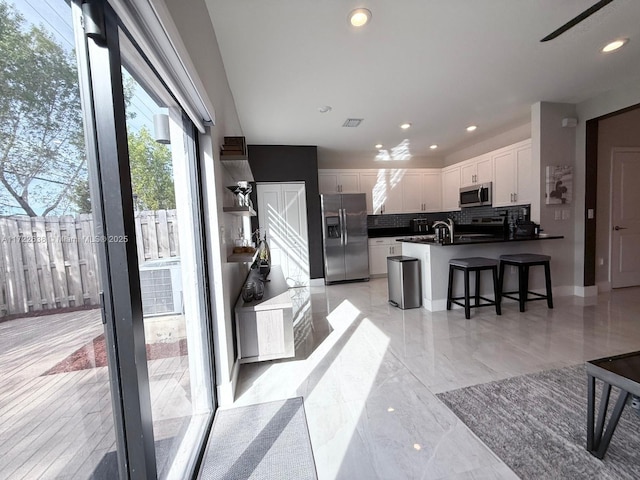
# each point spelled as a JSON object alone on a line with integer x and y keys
{"x": 352, "y": 122}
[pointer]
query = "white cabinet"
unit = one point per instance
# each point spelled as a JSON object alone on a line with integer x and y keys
{"x": 422, "y": 191}
{"x": 379, "y": 250}
{"x": 383, "y": 189}
{"x": 451, "y": 188}
{"x": 513, "y": 175}
{"x": 338, "y": 181}
{"x": 476, "y": 170}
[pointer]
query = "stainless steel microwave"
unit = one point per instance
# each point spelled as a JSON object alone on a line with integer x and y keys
{"x": 476, "y": 195}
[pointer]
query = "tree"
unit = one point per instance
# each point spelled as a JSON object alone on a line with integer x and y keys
{"x": 42, "y": 150}
{"x": 151, "y": 172}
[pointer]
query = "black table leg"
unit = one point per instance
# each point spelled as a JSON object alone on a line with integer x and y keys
{"x": 597, "y": 443}
{"x": 591, "y": 406}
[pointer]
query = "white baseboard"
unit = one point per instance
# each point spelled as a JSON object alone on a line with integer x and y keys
{"x": 226, "y": 393}
{"x": 435, "y": 305}
{"x": 316, "y": 282}
{"x": 590, "y": 291}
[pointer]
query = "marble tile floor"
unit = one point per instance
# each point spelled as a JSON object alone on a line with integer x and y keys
{"x": 369, "y": 373}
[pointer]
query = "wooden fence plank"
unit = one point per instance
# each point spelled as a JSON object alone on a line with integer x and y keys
{"x": 72, "y": 260}
{"x": 163, "y": 233}
{"x": 139, "y": 239}
{"x": 151, "y": 237}
{"x": 29, "y": 262}
{"x": 57, "y": 265}
{"x": 172, "y": 226}
{"x": 58, "y": 271}
{"x": 7, "y": 282}
{"x": 43, "y": 263}
{"x": 88, "y": 252}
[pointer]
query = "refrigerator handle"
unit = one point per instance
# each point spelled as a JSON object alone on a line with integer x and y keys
{"x": 344, "y": 227}
{"x": 341, "y": 227}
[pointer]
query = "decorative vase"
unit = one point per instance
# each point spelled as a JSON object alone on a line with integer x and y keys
{"x": 264, "y": 258}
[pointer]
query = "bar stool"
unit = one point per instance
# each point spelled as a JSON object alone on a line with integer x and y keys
{"x": 523, "y": 261}
{"x": 473, "y": 264}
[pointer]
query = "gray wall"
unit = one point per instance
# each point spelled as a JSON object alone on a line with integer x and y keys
{"x": 554, "y": 144}
{"x": 196, "y": 32}
{"x": 284, "y": 163}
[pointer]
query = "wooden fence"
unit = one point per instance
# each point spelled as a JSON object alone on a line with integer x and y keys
{"x": 51, "y": 262}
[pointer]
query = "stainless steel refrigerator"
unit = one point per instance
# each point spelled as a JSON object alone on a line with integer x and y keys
{"x": 345, "y": 239}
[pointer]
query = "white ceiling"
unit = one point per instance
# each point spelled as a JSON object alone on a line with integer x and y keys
{"x": 440, "y": 64}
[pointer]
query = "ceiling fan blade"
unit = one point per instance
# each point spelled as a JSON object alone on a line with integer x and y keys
{"x": 572, "y": 23}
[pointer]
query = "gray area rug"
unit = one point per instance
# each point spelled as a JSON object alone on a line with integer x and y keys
{"x": 537, "y": 425}
{"x": 261, "y": 442}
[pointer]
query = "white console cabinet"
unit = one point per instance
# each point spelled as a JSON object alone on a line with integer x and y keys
{"x": 265, "y": 327}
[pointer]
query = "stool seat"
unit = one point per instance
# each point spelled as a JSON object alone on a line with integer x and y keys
{"x": 477, "y": 265}
{"x": 523, "y": 261}
{"x": 525, "y": 258}
{"x": 473, "y": 262}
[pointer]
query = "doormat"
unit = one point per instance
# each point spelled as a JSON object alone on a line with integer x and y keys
{"x": 537, "y": 424}
{"x": 267, "y": 441}
{"x": 94, "y": 354}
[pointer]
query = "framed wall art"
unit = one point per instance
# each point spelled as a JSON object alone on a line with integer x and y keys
{"x": 559, "y": 184}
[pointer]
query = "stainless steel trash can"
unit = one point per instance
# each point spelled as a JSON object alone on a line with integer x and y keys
{"x": 405, "y": 289}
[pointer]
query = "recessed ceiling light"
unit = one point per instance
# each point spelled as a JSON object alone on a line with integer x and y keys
{"x": 471, "y": 128}
{"x": 359, "y": 17}
{"x": 433, "y": 147}
{"x": 378, "y": 146}
{"x": 404, "y": 126}
{"x": 615, "y": 45}
{"x": 324, "y": 109}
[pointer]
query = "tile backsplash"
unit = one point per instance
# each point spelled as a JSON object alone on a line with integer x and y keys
{"x": 463, "y": 216}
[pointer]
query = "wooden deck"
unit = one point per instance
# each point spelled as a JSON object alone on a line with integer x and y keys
{"x": 60, "y": 426}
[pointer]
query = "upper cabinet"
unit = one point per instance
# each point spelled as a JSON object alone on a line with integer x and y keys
{"x": 338, "y": 181}
{"x": 383, "y": 189}
{"x": 451, "y": 188}
{"x": 398, "y": 190}
{"x": 512, "y": 175}
{"x": 422, "y": 191}
{"x": 477, "y": 170}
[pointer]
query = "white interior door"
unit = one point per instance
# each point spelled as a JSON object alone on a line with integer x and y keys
{"x": 625, "y": 217}
{"x": 282, "y": 211}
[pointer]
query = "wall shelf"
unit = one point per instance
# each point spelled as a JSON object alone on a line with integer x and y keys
{"x": 242, "y": 257}
{"x": 240, "y": 211}
{"x": 237, "y": 166}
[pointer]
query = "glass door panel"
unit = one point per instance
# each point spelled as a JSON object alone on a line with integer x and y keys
{"x": 56, "y": 416}
{"x": 171, "y": 265}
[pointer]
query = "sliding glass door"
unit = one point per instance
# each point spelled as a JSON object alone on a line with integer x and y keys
{"x": 56, "y": 409}
{"x": 152, "y": 256}
{"x": 105, "y": 347}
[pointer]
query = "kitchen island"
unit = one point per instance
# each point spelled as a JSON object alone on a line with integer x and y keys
{"x": 434, "y": 259}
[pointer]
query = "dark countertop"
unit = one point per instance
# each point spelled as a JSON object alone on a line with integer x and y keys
{"x": 478, "y": 240}
{"x": 390, "y": 232}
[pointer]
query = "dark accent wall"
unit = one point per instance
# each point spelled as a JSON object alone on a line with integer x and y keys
{"x": 286, "y": 163}
{"x": 590, "y": 202}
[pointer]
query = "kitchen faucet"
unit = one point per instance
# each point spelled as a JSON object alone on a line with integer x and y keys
{"x": 449, "y": 224}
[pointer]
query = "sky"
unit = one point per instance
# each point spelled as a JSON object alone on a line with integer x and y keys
{"x": 55, "y": 17}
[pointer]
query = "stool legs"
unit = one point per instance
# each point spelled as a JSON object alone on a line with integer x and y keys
{"x": 450, "y": 287}
{"x": 523, "y": 283}
{"x": 496, "y": 290}
{"x": 547, "y": 281}
{"x": 467, "y": 305}
{"x": 477, "y": 290}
